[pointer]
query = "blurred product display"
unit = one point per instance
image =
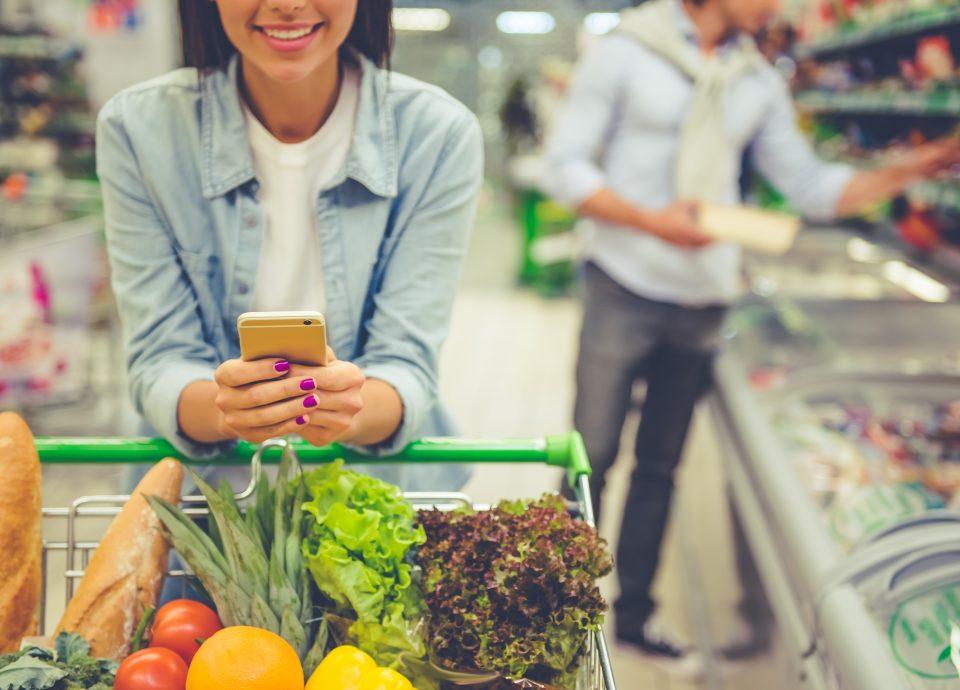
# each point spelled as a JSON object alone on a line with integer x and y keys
{"x": 53, "y": 287}
{"x": 46, "y": 122}
{"x": 875, "y": 79}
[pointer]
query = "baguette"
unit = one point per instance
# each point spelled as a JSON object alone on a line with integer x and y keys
{"x": 20, "y": 538}
{"x": 126, "y": 571}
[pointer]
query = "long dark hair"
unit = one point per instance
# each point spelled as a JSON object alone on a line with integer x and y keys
{"x": 206, "y": 46}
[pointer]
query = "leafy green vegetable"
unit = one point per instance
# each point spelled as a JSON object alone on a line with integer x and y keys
{"x": 250, "y": 563}
{"x": 67, "y": 667}
{"x": 28, "y": 673}
{"x": 71, "y": 647}
{"x": 360, "y": 531}
{"x": 512, "y": 589}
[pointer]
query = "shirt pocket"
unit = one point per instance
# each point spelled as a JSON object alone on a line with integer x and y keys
{"x": 205, "y": 275}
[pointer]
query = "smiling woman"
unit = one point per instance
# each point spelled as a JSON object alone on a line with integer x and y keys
{"x": 206, "y": 43}
{"x": 284, "y": 170}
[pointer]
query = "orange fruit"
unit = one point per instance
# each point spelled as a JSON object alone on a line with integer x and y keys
{"x": 244, "y": 658}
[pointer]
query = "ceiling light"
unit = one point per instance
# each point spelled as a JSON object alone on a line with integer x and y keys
{"x": 526, "y": 22}
{"x": 600, "y": 23}
{"x": 420, "y": 19}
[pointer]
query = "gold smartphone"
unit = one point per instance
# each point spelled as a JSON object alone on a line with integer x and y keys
{"x": 296, "y": 336}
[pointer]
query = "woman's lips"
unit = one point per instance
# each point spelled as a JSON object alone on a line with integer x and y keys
{"x": 288, "y": 38}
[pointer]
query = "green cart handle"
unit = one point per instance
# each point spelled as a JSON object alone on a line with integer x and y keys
{"x": 566, "y": 451}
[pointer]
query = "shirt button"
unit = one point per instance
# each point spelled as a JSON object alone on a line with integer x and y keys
{"x": 251, "y": 221}
{"x": 243, "y": 288}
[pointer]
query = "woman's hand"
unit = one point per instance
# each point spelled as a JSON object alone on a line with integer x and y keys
{"x": 257, "y": 401}
{"x": 333, "y": 410}
{"x": 261, "y": 400}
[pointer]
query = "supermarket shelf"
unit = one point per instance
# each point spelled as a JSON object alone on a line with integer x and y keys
{"x": 902, "y": 103}
{"x": 33, "y": 47}
{"x": 906, "y": 25}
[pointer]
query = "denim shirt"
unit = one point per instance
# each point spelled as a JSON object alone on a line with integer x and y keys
{"x": 184, "y": 230}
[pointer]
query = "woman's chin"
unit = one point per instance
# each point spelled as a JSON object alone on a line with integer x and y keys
{"x": 290, "y": 71}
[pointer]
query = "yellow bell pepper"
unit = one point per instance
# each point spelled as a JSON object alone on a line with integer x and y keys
{"x": 384, "y": 679}
{"x": 342, "y": 669}
{"x": 348, "y": 668}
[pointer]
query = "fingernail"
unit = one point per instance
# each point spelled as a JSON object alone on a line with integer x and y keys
{"x": 301, "y": 420}
{"x": 310, "y": 401}
{"x": 307, "y": 385}
{"x": 282, "y": 366}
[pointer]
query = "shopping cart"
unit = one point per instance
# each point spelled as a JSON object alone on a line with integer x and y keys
{"x": 63, "y": 525}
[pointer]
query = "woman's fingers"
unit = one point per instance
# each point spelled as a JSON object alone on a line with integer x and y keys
{"x": 265, "y": 433}
{"x": 270, "y": 415}
{"x": 265, "y": 392}
{"x": 333, "y": 421}
{"x": 317, "y": 436}
{"x": 335, "y": 376}
{"x": 236, "y": 372}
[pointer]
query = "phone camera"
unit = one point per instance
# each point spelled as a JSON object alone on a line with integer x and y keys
{"x": 308, "y": 323}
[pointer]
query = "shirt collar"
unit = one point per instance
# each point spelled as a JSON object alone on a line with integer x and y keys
{"x": 226, "y": 161}
{"x": 689, "y": 30}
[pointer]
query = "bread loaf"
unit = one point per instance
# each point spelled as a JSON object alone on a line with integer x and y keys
{"x": 20, "y": 540}
{"x": 126, "y": 571}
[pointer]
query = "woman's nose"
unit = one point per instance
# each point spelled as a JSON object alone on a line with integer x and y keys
{"x": 284, "y": 6}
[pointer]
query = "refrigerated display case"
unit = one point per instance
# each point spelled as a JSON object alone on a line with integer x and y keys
{"x": 840, "y": 429}
{"x": 833, "y": 263}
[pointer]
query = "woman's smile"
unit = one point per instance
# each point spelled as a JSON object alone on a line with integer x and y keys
{"x": 289, "y": 37}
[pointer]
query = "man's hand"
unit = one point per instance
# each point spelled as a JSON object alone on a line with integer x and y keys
{"x": 677, "y": 224}
{"x": 922, "y": 162}
{"x": 933, "y": 158}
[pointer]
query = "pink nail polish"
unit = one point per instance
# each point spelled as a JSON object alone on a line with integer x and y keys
{"x": 282, "y": 366}
{"x": 310, "y": 401}
{"x": 301, "y": 420}
{"x": 307, "y": 385}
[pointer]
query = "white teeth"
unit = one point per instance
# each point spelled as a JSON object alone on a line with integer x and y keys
{"x": 287, "y": 35}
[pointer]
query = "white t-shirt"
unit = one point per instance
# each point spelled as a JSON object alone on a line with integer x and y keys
{"x": 290, "y": 273}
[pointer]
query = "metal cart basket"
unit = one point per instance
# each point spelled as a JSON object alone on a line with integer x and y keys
{"x": 66, "y": 528}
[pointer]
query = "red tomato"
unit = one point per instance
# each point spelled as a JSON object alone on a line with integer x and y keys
{"x": 180, "y": 624}
{"x": 152, "y": 669}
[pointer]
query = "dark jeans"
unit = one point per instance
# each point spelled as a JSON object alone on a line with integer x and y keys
{"x": 626, "y": 338}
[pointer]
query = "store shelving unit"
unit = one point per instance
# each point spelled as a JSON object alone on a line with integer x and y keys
{"x": 842, "y": 326}
{"x": 868, "y": 90}
{"x": 43, "y": 106}
{"x": 903, "y": 26}
{"x": 943, "y": 103}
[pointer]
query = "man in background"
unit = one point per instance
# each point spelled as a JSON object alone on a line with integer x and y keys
{"x": 656, "y": 120}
